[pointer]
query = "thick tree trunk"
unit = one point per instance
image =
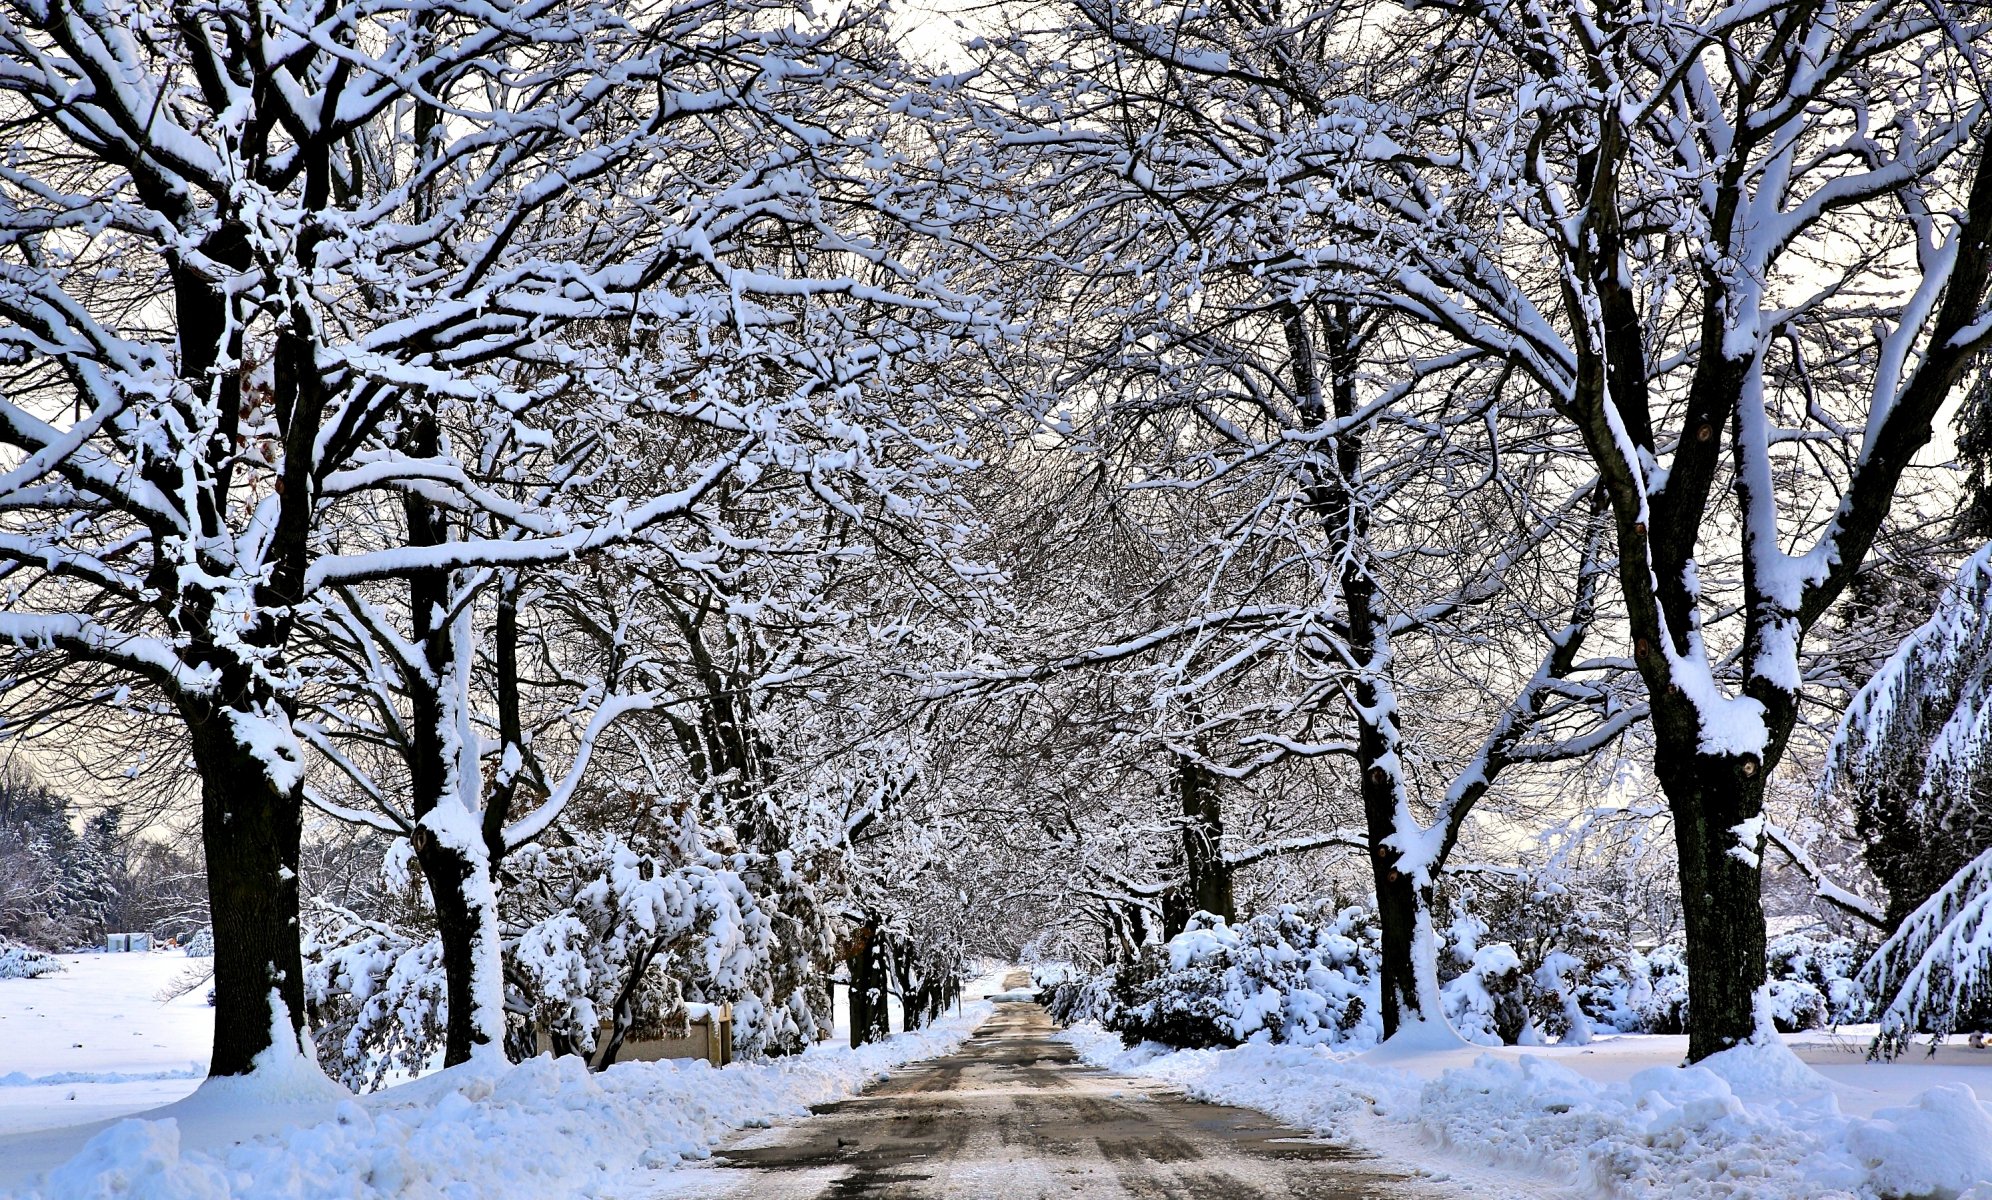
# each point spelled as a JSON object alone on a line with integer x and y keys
{"x": 1721, "y": 890}
{"x": 251, "y": 830}
{"x": 871, "y": 1019}
{"x": 1207, "y": 885}
{"x": 1408, "y": 971}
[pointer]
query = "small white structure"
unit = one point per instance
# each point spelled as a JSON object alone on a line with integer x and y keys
{"x": 123, "y": 943}
{"x": 708, "y": 1035}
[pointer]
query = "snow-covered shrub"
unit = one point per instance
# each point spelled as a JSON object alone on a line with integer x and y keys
{"x": 1299, "y": 974}
{"x": 201, "y": 944}
{"x": 24, "y": 962}
{"x": 1813, "y": 982}
{"x": 1486, "y": 1002}
{"x": 629, "y": 937}
{"x": 1547, "y": 917}
{"x": 1555, "y": 1002}
{"x": 1645, "y": 993}
{"x": 1069, "y": 995}
{"x": 374, "y": 994}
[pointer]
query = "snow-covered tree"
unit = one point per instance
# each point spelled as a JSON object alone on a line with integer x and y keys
{"x": 1349, "y": 514}
{"x": 1747, "y": 281}
{"x": 257, "y": 263}
{"x": 1918, "y": 738}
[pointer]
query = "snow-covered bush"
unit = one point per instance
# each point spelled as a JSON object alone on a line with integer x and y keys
{"x": 631, "y": 937}
{"x": 1486, "y": 1002}
{"x": 201, "y": 944}
{"x": 1071, "y": 1001}
{"x": 1069, "y": 995}
{"x": 1300, "y": 974}
{"x": 1645, "y": 993}
{"x": 25, "y": 962}
{"x": 1504, "y": 994}
{"x": 374, "y": 993}
{"x": 1813, "y": 982}
{"x": 1554, "y": 1000}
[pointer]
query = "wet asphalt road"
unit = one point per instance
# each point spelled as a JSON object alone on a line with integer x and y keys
{"x": 1014, "y": 1113}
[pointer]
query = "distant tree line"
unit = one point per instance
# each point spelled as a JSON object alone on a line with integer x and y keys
{"x": 70, "y": 873}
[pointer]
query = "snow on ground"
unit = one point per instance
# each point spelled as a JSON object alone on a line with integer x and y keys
{"x": 546, "y": 1128}
{"x": 97, "y": 1040}
{"x": 1620, "y": 1117}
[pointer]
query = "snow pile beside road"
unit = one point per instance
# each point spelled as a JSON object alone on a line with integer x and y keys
{"x": 1754, "y": 1122}
{"x": 546, "y": 1128}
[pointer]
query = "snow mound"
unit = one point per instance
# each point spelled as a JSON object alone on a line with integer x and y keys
{"x": 1754, "y": 1122}
{"x": 1938, "y": 1147}
{"x": 546, "y": 1128}
{"x": 137, "y": 1159}
{"x": 1765, "y": 1069}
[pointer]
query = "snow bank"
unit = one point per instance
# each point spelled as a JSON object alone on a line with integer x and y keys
{"x": 107, "y": 1036}
{"x": 546, "y": 1128}
{"x": 1754, "y": 1122}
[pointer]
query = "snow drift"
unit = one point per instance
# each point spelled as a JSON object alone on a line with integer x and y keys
{"x": 543, "y": 1129}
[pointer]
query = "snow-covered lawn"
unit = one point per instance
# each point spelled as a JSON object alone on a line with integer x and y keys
{"x": 1620, "y": 1117}
{"x": 95, "y": 1040}
{"x": 546, "y": 1128}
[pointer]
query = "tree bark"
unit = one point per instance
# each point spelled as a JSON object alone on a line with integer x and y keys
{"x": 1721, "y": 893}
{"x": 1403, "y": 911}
{"x": 871, "y": 1019}
{"x": 1207, "y": 885}
{"x": 453, "y": 853}
{"x": 461, "y": 926}
{"x": 251, "y": 829}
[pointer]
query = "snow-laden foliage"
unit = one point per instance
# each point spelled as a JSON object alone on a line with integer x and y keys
{"x": 1299, "y": 974}
{"x": 1646, "y": 993}
{"x": 1913, "y": 748}
{"x": 1484, "y": 1003}
{"x": 1935, "y": 970}
{"x": 607, "y": 944}
{"x": 1924, "y": 721}
{"x": 376, "y": 997}
{"x": 26, "y": 962}
{"x": 1814, "y": 982}
{"x": 630, "y": 937}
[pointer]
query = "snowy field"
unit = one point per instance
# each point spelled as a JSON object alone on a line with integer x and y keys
{"x": 97, "y": 1039}
{"x": 544, "y": 1129}
{"x": 1620, "y": 1117}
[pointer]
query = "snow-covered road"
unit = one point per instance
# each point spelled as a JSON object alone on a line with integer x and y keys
{"x": 1014, "y": 1113}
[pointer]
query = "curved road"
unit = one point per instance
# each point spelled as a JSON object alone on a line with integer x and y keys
{"x": 1014, "y": 1113}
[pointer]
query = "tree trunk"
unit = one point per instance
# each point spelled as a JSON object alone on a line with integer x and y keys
{"x": 1207, "y": 886}
{"x": 1175, "y": 912}
{"x": 445, "y": 778}
{"x": 1408, "y": 972}
{"x": 466, "y": 921}
{"x": 251, "y": 830}
{"x": 871, "y": 1019}
{"x": 1721, "y": 893}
